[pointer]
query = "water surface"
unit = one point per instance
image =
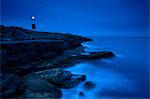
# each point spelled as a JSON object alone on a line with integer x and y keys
{"x": 125, "y": 76}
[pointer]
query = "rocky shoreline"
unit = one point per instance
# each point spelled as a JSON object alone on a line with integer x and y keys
{"x": 33, "y": 63}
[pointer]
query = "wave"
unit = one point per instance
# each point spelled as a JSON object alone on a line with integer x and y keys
{"x": 106, "y": 80}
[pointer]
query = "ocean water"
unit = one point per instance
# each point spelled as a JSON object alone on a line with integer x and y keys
{"x": 124, "y": 76}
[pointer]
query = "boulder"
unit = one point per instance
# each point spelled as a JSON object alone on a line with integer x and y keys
{"x": 38, "y": 87}
{"x": 11, "y": 85}
{"x": 81, "y": 94}
{"x": 61, "y": 78}
{"x": 97, "y": 55}
{"x": 89, "y": 85}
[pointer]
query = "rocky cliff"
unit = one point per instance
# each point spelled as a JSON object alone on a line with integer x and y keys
{"x": 20, "y": 47}
{"x": 33, "y": 62}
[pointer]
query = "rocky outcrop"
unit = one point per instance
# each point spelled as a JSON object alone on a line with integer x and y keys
{"x": 36, "y": 87}
{"x": 17, "y": 57}
{"x": 74, "y": 41}
{"x": 33, "y": 55}
{"x": 22, "y": 52}
{"x": 89, "y": 85}
{"x": 29, "y": 94}
{"x": 18, "y": 33}
{"x": 11, "y": 85}
{"x": 81, "y": 94}
{"x": 61, "y": 78}
{"x": 21, "y": 47}
{"x": 97, "y": 55}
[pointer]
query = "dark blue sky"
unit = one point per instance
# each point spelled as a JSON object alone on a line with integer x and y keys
{"x": 85, "y": 17}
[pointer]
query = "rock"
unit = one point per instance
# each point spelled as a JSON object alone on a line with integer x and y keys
{"x": 89, "y": 85}
{"x": 82, "y": 77}
{"x": 20, "y": 53}
{"x": 73, "y": 81}
{"x": 3, "y": 57}
{"x": 21, "y": 47}
{"x": 71, "y": 37}
{"x": 11, "y": 85}
{"x": 18, "y": 56}
{"x": 97, "y": 55}
{"x": 38, "y": 86}
{"x": 70, "y": 45}
{"x": 61, "y": 78}
{"x": 81, "y": 93}
{"x": 29, "y": 94}
{"x": 73, "y": 41}
{"x": 18, "y": 33}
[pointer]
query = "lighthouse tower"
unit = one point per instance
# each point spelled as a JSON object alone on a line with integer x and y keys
{"x": 33, "y": 23}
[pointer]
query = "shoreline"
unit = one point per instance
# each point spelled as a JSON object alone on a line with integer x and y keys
{"x": 38, "y": 67}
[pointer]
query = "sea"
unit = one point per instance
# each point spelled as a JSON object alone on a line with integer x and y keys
{"x": 125, "y": 76}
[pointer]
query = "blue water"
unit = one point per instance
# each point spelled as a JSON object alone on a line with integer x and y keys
{"x": 125, "y": 76}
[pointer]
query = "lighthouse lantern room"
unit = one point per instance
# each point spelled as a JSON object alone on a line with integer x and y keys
{"x": 33, "y": 22}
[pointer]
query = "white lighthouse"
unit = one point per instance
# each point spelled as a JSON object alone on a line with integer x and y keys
{"x": 33, "y": 22}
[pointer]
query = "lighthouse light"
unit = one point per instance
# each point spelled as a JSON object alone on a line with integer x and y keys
{"x": 33, "y": 17}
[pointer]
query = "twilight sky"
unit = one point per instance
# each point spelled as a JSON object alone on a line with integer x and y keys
{"x": 84, "y": 17}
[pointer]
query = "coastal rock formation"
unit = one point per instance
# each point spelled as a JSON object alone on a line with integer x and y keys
{"x": 21, "y": 47}
{"x": 36, "y": 86}
{"x": 17, "y": 53}
{"x": 10, "y": 85}
{"x": 29, "y": 94}
{"x": 61, "y": 78}
{"x": 97, "y": 55}
{"x": 13, "y": 33}
{"x": 33, "y": 62}
{"x": 89, "y": 85}
{"x": 81, "y": 93}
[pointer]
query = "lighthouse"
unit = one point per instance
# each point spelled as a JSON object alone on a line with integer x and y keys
{"x": 33, "y": 22}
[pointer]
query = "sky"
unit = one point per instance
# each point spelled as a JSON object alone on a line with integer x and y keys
{"x": 83, "y": 17}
